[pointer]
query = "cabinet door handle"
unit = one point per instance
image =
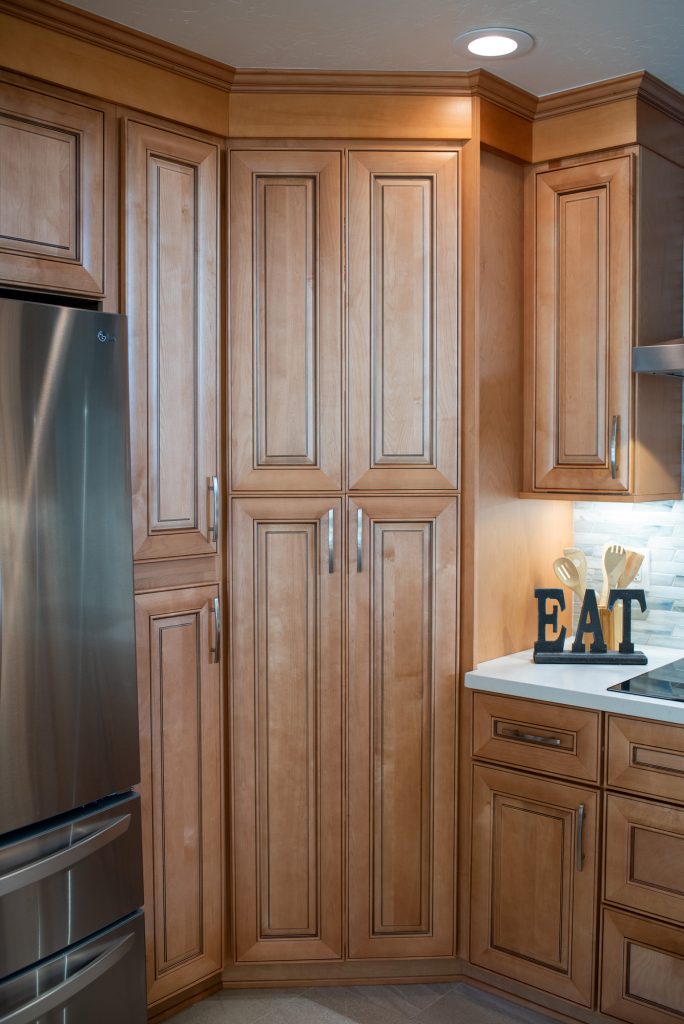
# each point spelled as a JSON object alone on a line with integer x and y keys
{"x": 214, "y": 527}
{"x": 359, "y": 540}
{"x": 613, "y": 447}
{"x": 331, "y": 540}
{"x": 529, "y": 737}
{"x": 580, "y": 837}
{"x": 216, "y": 649}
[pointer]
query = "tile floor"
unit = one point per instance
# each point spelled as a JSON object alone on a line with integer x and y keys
{"x": 363, "y": 1004}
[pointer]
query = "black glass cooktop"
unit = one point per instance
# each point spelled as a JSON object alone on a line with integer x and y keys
{"x": 666, "y": 682}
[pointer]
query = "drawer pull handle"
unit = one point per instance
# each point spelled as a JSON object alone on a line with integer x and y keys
{"x": 359, "y": 540}
{"x": 331, "y": 540}
{"x": 580, "y": 837}
{"x": 529, "y": 737}
{"x": 613, "y": 447}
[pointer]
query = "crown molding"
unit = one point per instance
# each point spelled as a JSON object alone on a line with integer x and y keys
{"x": 110, "y": 35}
{"x": 639, "y": 85}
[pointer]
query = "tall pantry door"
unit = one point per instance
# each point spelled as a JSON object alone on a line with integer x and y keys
{"x": 287, "y": 728}
{"x": 402, "y": 725}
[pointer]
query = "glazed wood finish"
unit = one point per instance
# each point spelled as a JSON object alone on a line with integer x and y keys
{"x": 583, "y": 324}
{"x": 401, "y": 734}
{"x": 644, "y": 856}
{"x": 403, "y": 320}
{"x": 52, "y": 196}
{"x": 287, "y": 729}
{"x": 530, "y": 734}
{"x": 533, "y": 906}
{"x": 171, "y": 300}
{"x": 643, "y": 970}
{"x": 180, "y": 752}
{"x": 286, "y": 320}
{"x": 646, "y": 757}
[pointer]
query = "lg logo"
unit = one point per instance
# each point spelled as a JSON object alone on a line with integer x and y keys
{"x": 104, "y": 337}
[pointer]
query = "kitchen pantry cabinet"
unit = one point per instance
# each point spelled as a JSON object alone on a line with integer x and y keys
{"x": 52, "y": 200}
{"x": 286, "y": 320}
{"x": 604, "y": 239}
{"x": 179, "y": 682}
{"x": 172, "y": 266}
{"x": 402, "y": 559}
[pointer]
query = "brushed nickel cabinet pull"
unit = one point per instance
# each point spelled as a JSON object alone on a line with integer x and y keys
{"x": 580, "y": 837}
{"x": 214, "y": 527}
{"x": 359, "y": 540}
{"x": 331, "y": 540}
{"x": 529, "y": 737}
{"x": 613, "y": 447}
{"x": 216, "y": 649}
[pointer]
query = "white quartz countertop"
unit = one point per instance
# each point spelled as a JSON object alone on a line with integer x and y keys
{"x": 583, "y": 686}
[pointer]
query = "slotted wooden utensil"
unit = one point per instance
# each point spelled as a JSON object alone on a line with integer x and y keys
{"x": 579, "y": 559}
{"x": 568, "y": 574}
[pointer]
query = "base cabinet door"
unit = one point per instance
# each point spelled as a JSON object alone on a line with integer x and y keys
{"x": 533, "y": 888}
{"x": 401, "y": 730}
{"x": 180, "y": 752}
{"x": 642, "y": 977}
{"x": 286, "y": 713}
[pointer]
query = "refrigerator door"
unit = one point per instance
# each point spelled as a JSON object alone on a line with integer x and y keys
{"x": 99, "y": 981}
{"x": 68, "y": 703}
{"x": 66, "y": 880}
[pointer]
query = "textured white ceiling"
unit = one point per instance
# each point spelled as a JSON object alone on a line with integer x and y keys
{"x": 577, "y": 41}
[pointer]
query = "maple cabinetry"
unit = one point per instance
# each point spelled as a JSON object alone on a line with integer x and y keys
{"x": 180, "y": 752}
{"x": 604, "y": 239}
{"x": 172, "y": 265}
{"x": 52, "y": 195}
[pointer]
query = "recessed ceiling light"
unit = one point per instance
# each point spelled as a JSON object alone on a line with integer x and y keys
{"x": 494, "y": 42}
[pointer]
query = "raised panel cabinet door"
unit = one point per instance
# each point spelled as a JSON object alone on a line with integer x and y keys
{"x": 403, "y": 680}
{"x": 286, "y": 320}
{"x": 52, "y": 178}
{"x": 533, "y": 887}
{"x": 181, "y": 771}
{"x": 172, "y": 260}
{"x": 642, "y": 977}
{"x": 403, "y": 320}
{"x": 286, "y": 713}
{"x": 583, "y": 325}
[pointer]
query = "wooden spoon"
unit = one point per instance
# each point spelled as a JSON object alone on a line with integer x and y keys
{"x": 614, "y": 559}
{"x": 568, "y": 574}
{"x": 632, "y": 566}
{"x": 579, "y": 559}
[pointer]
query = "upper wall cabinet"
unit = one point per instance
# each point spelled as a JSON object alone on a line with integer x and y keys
{"x": 171, "y": 299}
{"x": 403, "y": 320}
{"x": 286, "y": 320}
{"x": 604, "y": 237}
{"x": 52, "y": 196}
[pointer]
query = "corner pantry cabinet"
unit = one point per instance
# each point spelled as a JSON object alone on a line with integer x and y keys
{"x": 604, "y": 247}
{"x": 52, "y": 199}
{"x": 344, "y": 606}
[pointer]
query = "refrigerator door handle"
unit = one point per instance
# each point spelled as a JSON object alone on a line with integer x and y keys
{"x": 62, "y": 859}
{"x": 57, "y": 996}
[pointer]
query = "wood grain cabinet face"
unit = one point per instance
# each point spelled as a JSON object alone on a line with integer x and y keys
{"x": 181, "y": 771}
{"x": 286, "y": 320}
{"x": 642, "y": 970}
{"x": 171, "y": 219}
{"x": 52, "y": 195}
{"x": 533, "y": 898}
{"x": 287, "y": 729}
{"x": 403, "y": 320}
{"x": 401, "y": 731}
{"x": 604, "y": 236}
{"x": 646, "y": 757}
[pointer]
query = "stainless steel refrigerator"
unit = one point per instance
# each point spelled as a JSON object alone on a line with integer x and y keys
{"x": 71, "y": 931}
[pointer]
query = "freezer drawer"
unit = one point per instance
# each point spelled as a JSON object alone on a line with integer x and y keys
{"x": 99, "y": 981}
{"x": 67, "y": 879}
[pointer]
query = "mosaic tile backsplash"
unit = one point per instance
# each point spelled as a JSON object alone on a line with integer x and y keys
{"x": 656, "y": 526}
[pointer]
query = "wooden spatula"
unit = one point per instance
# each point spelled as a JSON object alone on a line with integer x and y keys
{"x": 614, "y": 559}
{"x": 632, "y": 566}
{"x": 568, "y": 574}
{"x": 577, "y": 556}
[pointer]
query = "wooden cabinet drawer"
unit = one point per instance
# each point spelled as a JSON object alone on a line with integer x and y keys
{"x": 646, "y": 757}
{"x": 549, "y": 738}
{"x": 644, "y": 856}
{"x": 643, "y": 970}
